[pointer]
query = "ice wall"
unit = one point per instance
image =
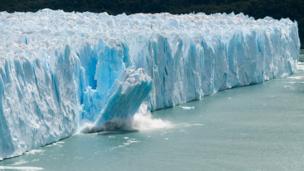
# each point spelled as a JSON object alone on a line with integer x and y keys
{"x": 60, "y": 71}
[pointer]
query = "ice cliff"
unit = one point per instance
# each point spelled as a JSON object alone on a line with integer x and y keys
{"x": 60, "y": 71}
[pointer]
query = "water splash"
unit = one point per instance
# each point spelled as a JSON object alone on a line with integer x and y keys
{"x": 144, "y": 121}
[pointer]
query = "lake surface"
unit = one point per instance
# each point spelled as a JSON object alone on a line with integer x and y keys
{"x": 259, "y": 127}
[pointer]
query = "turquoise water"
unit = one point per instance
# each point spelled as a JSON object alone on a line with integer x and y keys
{"x": 260, "y": 127}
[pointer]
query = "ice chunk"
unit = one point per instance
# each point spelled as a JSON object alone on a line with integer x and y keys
{"x": 124, "y": 100}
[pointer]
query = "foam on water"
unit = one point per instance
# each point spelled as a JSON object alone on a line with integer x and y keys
{"x": 59, "y": 144}
{"x": 34, "y": 151}
{"x": 127, "y": 143}
{"x": 20, "y": 162}
{"x": 187, "y": 125}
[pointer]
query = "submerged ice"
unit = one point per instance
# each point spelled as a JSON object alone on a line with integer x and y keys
{"x": 60, "y": 72}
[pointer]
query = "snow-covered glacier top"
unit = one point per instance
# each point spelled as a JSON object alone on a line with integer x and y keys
{"x": 38, "y": 34}
{"x": 61, "y": 72}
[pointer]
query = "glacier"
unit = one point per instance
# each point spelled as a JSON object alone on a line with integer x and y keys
{"x": 64, "y": 72}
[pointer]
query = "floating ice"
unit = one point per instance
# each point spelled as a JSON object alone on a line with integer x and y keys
{"x": 187, "y": 107}
{"x": 60, "y": 71}
{"x": 23, "y": 168}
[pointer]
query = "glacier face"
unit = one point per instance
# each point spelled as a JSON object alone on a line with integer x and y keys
{"x": 60, "y": 71}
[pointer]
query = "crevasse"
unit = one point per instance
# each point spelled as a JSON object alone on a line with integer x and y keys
{"x": 63, "y": 71}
